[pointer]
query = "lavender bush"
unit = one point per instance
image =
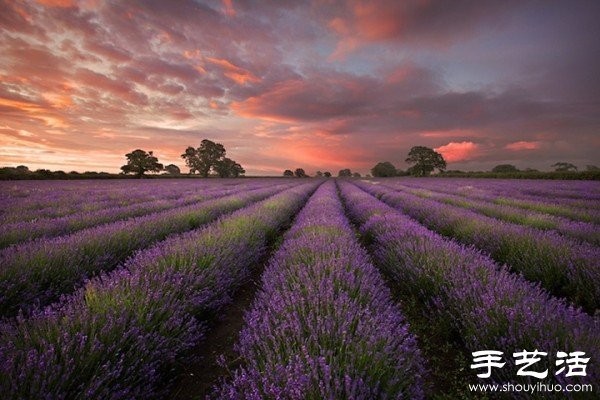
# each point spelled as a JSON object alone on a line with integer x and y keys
{"x": 511, "y": 192}
{"x": 119, "y": 337}
{"x": 488, "y": 306}
{"x": 47, "y": 227}
{"x": 562, "y": 266}
{"x": 323, "y": 325}
{"x": 584, "y": 231}
{"x": 36, "y": 273}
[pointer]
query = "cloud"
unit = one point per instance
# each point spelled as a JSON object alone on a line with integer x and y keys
{"x": 458, "y": 151}
{"x": 328, "y": 84}
{"x": 522, "y": 145}
{"x": 433, "y": 23}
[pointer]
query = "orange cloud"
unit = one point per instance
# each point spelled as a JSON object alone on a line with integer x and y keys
{"x": 458, "y": 151}
{"x": 523, "y": 145}
{"x": 237, "y": 74}
{"x": 320, "y": 155}
{"x": 57, "y": 3}
{"x": 228, "y": 8}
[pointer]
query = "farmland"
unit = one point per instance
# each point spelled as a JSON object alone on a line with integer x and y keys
{"x": 356, "y": 288}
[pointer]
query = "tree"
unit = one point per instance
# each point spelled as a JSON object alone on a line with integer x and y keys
{"x": 384, "y": 169}
{"x": 356, "y": 175}
{"x": 227, "y": 168}
{"x": 288, "y": 172}
{"x": 319, "y": 174}
{"x": 203, "y": 158}
{"x": 425, "y": 160}
{"x": 172, "y": 169}
{"x": 299, "y": 173}
{"x": 327, "y": 174}
{"x": 22, "y": 169}
{"x": 139, "y": 162}
{"x": 564, "y": 166}
{"x": 587, "y": 167}
{"x": 505, "y": 168}
{"x": 344, "y": 173}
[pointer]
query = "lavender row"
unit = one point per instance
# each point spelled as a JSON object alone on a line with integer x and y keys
{"x": 23, "y": 202}
{"x": 22, "y": 231}
{"x": 64, "y": 198}
{"x": 323, "y": 325}
{"x": 458, "y": 287}
{"x": 583, "y": 231}
{"x": 565, "y": 268}
{"x": 122, "y": 335}
{"x": 577, "y": 209}
{"x": 556, "y": 189}
{"x": 38, "y": 272}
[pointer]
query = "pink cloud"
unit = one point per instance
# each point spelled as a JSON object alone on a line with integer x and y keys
{"x": 237, "y": 74}
{"x": 458, "y": 151}
{"x": 410, "y": 21}
{"x": 522, "y": 145}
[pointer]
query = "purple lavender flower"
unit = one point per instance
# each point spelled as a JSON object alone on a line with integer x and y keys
{"x": 459, "y": 287}
{"x": 118, "y": 337}
{"x": 323, "y": 325}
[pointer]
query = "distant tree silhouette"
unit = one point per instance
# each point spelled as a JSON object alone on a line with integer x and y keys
{"x": 227, "y": 168}
{"x": 203, "y": 158}
{"x": 299, "y": 173}
{"x": 564, "y": 166}
{"x": 319, "y": 174}
{"x": 288, "y": 172}
{"x": 425, "y": 160}
{"x": 356, "y": 175}
{"x": 384, "y": 169}
{"x": 139, "y": 162}
{"x": 587, "y": 167}
{"x": 505, "y": 168}
{"x": 22, "y": 169}
{"x": 210, "y": 156}
{"x": 172, "y": 169}
{"x": 327, "y": 174}
{"x": 344, "y": 173}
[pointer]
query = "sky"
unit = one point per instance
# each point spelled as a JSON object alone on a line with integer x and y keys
{"x": 320, "y": 85}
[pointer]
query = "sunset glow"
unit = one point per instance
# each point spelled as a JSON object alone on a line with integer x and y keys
{"x": 319, "y": 85}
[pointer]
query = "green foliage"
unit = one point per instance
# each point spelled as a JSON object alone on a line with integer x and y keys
{"x": 345, "y": 173}
{"x": 300, "y": 173}
{"x": 425, "y": 160}
{"x": 172, "y": 169}
{"x": 139, "y": 162}
{"x": 227, "y": 168}
{"x": 211, "y": 156}
{"x": 564, "y": 166}
{"x": 505, "y": 168}
{"x": 384, "y": 169}
{"x": 203, "y": 158}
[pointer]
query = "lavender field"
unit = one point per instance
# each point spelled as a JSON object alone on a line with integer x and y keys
{"x": 278, "y": 288}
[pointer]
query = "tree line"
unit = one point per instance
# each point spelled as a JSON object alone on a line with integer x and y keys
{"x": 208, "y": 158}
{"x": 424, "y": 160}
